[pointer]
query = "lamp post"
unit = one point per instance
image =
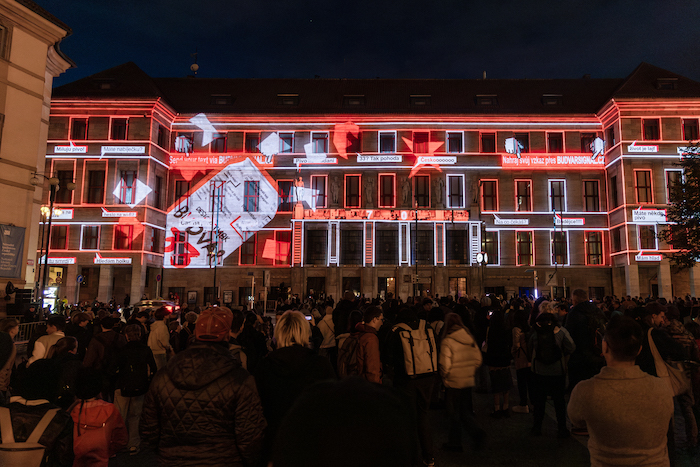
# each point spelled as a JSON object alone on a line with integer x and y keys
{"x": 53, "y": 188}
{"x": 415, "y": 260}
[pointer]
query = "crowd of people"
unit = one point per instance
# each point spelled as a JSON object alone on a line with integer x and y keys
{"x": 220, "y": 386}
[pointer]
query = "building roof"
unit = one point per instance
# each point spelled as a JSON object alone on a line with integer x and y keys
{"x": 45, "y": 14}
{"x": 382, "y": 96}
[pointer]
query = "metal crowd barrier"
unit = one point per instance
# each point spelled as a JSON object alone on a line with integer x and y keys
{"x": 26, "y": 330}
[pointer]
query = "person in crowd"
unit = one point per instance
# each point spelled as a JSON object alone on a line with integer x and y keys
{"x": 141, "y": 318}
{"x": 9, "y": 327}
{"x": 459, "y": 359}
{"x": 520, "y": 353}
{"x": 135, "y": 369}
{"x": 369, "y": 420}
{"x": 549, "y": 347}
{"x": 354, "y": 318}
{"x": 42, "y": 347}
{"x": 66, "y": 359}
{"x": 203, "y": 408}
{"x": 625, "y": 410}
{"x": 237, "y": 351}
{"x": 328, "y": 346}
{"x": 287, "y": 371}
{"x": 31, "y": 404}
{"x": 342, "y": 311}
{"x": 98, "y": 431}
{"x": 416, "y": 388}
{"x": 585, "y": 323}
{"x": 253, "y": 341}
{"x": 159, "y": 338}
{"x": 78, "y": 328}
{"x": 187, "y": 332}
{"x": 498, "y": 356}
{"x": 102, "y": 353}
{"x": 368, "y": 358}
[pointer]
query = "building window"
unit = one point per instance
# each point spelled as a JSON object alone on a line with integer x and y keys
{"x": 455, "y": 191}
{"x": 251, "y": 196}
{"x": 248, "y": 249}
{"x": 218, "y": 144}
{"x": 614, "y": 199}
{"x": 524, "y": 248}
{"x": 523, "y": 195}
{"x": 162, "y": 138}
{"x": 616, "y": 239}
{"x": 283, "y": 247}
{"x": 387, "y": 190}
{"x": 217, "y": 196}
{"x": 316, "y": 247}
{"x": 457, "y": 246}
{"x": 286, "y": 143}
{"x": 90, "y": 237}
{"x": 524, "y": 140}
{"x": 690, "y": 129}
{"x": 352, "y": 191}
{"x": 158, "y": 193}
{"x": 354, "y": 101}
{"x": 96, "y": 187}
{"x": 118, "y": 129}
{"x": 221, "y": 99}
{"x": 420, "y": 100}
{"x": 674, "y": 178}
{"x": 123, "y": 237}
{"x": 285, "y": 195}
{"x": 287, "y": 99}
{"x": 647, "y": 237}
{"x": 487, "y": 100}
{"x": 642, "y": 180}
{"x": 455, "y": 142}
{"x": 422, "y": 190}
{"x": 181, "y": 254}
{"x": 610, "y": 137}
{"x": 182, "y": 189}
{"x": 387, "y": 141}
{"x": 351, "y": 247}
{"x": 591, "y": 196}
{"x": 63, "y": 194}
{"x": 319, "y": 143}
{"x": 387, "y": 246}
{"x": 319, "y": 185}
{"x": 557, "y": 195}
{"x": 489, "y": 245}
{"x": 594, "y": 247}
{"x": 489, "y": 195}
{"x": 59, "y": 237}
{"x": 555, "y": 142}
{"x": 156, "y": 240}
{"x": 488, "y": 142}
{"x": 420, "y": 142}
{"x": 252, "y": 142}
{"x": 423, "y": 246}
{"x": 184, "y": 142}
{"x": 651, "y": 129}
{"x": 586, "y": 141}
{"x": 560, "y": 248}
{"x": 79, "y": 128}
{"x": 552, "y": 99}
{"x": 127, "y": 187}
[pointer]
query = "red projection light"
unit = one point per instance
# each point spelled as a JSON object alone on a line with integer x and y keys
{"x": 340, "y": 137}
{"x": 188, "y": 251}
{"x": 432, "y": 147}
{"x": 274, "y": 249}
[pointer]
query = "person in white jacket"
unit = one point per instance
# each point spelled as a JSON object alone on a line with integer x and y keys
{"x": 159, "y": 337}
{"x": 459, "y": 359}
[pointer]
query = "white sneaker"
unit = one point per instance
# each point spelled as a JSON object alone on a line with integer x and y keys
{"x": 521, "y": 409}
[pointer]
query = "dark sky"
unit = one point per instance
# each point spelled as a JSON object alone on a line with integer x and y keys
{"x": 381, "y": 38}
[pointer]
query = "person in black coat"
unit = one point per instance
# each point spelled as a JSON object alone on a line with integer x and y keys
{"x": 68, "y": 363}
{"x": 286, "y": 372}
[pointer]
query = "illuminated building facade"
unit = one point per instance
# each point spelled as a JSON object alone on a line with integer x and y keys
{"x": 374, "y": 186}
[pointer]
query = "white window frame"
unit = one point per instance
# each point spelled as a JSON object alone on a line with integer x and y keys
{"x": 99, "y": 235}
{"x": 379, "y": 141}
{"x": 325, "y": 183}
{"x": 549, "y": 193}
{"x": 447, "y": 191}
{"x": 279, "y": 133}
{"x": 551, "y": 247}
{"x": 668, "y": 201}
{"x": 328, "y": 142}
{"x": 639, "y": 237}
{"x": 447, "y": 142}
{"x": 498, "y": 247}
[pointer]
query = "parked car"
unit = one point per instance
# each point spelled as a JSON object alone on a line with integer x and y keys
{"x": 153, "y": 305}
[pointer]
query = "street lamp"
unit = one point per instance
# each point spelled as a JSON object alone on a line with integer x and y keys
{"x": 48, "y": 212}
{"x": 483, "y": 259}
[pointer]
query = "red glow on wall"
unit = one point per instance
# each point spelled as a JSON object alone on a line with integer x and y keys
{"x": 340, "y": 137}
{"x": 553, "y": 161}
{"x": 274, "y": 249}
{"x": 432, "y": 147}
{"x": 191, "y": 251}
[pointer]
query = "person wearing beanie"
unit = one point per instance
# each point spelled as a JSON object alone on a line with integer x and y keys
{"x": 30, "y": 403}
{"x": 98, "y": 430}
{"x": 187, "y": 332}
{"x": 203, "y": 408}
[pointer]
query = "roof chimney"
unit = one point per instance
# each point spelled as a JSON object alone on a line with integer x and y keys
{"x": 484, "y": 75}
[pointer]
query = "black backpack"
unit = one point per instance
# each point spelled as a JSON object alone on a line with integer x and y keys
{"x": 347, "y": 357}
{"x": 134, "y": 376}
{"x": 546, "y": 350}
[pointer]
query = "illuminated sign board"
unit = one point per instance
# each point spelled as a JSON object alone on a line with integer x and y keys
{"x": 642, "y": 257}
{"x": 558, "y": 220}
{"x": 532, "y": 161}
{"x": 642, "y": 148}
{"x": 436, "y": 160}
{"x": 72, "y": 149}
{"x": 498, "y": 221}
{"x": 383, "y": 158}
{"x": 66, "y": 214}
{"x": 57, "y": 261}
{"x": 100, "y": 260}
{"x": 122, "y": 150}
{"x": 106, "y": 213}
{"x": 387, "y": 214}
{"x": 308, "y": 160}
{"x": 649, "y": 215}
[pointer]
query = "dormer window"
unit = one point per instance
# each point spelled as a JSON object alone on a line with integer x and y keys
{"x": 420, "y": 100}
{"x": 667, "y": 84}
{"x": 287, "y": 99}
{"x": 487, "y": 100}
{"x": 551, "y": 99}
{"x": 104, "y": 84}
{"x": 221, "y": 99}
{"x": 354, "y": 101}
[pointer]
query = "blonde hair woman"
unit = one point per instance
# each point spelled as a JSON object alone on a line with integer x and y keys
{"x": 287, "y": 371}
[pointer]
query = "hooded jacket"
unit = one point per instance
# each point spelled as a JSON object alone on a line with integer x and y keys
{"x": 459, "y": 359}
{"x": 98, "y": 432}
{"x": 368, "y": 360}
{"x": 203, "y": 409}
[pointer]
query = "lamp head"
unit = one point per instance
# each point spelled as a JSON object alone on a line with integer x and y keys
{"x": 34, "y": 181}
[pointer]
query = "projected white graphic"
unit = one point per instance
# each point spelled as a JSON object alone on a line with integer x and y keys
{"x": 131, "y": 195}
{"x": 270, "y": 146}
{"x": 183, "y": 144}
{"x": 513, "y": 146}
{"x": 208, "y": 131}
{"x": 597, "y": 147}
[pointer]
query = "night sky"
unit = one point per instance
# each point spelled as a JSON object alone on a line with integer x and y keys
{"x": 381, "y": 38}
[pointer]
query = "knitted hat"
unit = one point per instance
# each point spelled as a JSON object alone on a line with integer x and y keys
{"x": 213, "y": 324}
{"x": 191, "y": 317}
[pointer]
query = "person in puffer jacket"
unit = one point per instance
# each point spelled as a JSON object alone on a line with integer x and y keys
{"x": 458, "y": 361}
{"x": 203, "y": 408}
